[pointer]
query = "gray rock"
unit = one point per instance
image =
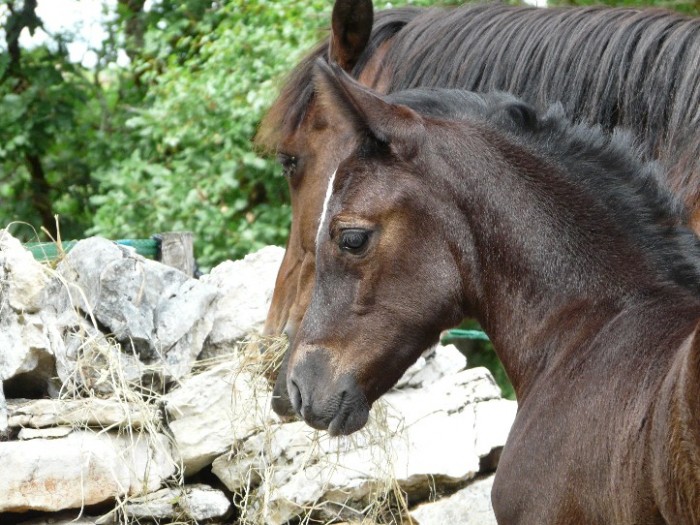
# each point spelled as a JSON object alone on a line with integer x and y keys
{"x": 212, "y": 410}
{"x": 44, "y": 433}
{"x": 244, "y": 294}
{"x": 191, "y": 502}
{"x": 22, "y": 278}
{"x": 152, "y": 309}
{"x": 94, "y": 412}
{"x": 25, "y": 341}
{"x": 434, "y": 364}
{"x": 81, "y": 469}
{"x": 469, "y": 506}
{"x": 425, "y": 439}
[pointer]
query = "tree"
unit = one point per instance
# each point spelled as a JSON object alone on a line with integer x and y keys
{"x": 163, "y": 143}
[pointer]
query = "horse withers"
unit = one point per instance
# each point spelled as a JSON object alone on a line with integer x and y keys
{"x": 569, "y": 252}
{"x": 610, "y": 66}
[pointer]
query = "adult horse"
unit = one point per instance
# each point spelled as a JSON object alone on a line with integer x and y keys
{"x": 635, "y": 68}
{"x": 565, "y": 247}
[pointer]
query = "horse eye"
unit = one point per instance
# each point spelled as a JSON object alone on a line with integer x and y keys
{"x": 352, "y": 240}
{"x": 289, "y": 164}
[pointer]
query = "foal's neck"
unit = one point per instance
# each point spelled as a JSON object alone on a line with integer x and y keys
{"x": 555, "y": 264}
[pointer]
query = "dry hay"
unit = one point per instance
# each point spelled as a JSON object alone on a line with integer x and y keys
{"x": 100, "y": 372}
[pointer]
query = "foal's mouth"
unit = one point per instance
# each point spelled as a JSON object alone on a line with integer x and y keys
{"x": 349, "y": 419}
{"x": 340, "y": 413}
{"x": 346, "y": 421}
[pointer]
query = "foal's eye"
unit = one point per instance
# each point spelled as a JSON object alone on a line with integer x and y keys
{"x": 289, "y": 164}
{"x": 353, "y": 240}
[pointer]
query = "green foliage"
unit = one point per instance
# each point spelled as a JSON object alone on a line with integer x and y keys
{"x": 165, "y": 143}
{"x": 188, "y": 161}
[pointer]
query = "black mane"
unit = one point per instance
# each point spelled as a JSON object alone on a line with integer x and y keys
{"x": 639, "y": 69}
{"x": 608, "y": 166}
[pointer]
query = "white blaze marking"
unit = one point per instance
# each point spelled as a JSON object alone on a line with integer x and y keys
{"x": 324, "y": 211}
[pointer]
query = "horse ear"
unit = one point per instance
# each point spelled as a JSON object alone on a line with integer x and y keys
{"x": 366, "y": 111}
{"x": 351, "y": 26}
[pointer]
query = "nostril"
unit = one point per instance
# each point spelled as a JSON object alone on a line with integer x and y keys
{"x": 295, "y": 396}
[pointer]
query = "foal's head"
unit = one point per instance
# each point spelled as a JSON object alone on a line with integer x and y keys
{"x": 387, "y": 283}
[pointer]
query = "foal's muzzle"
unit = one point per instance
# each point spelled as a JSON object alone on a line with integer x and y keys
{"x": 323, "y": 401}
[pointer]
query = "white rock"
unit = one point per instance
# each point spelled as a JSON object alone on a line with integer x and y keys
{"x": 436, "y": 363}
{"x": 192, "y": 502}
{"x": 424, "y": 438}
{"x": 25, "y": 343}
{"x": 100, "y": 413}
{"x": 152, "y": 308}
{"x": 211, "y": 410}
{"x": 245, "y": 292}
{"x": 469, "y": 506}
{"x": 80, "y": 469}
{"x": 22, "y": 278}
{"x": 44, "y": 433}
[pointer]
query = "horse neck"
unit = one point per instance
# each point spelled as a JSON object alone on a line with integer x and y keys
{"x": 542, "y": 273}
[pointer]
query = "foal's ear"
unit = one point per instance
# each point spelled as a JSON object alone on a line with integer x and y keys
{"x": 351, "y": 27}
{"x": 366, "y": 111}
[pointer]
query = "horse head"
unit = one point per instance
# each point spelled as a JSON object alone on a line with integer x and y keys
{"x": 482, "y": 48}
{"x": 313, "y": 143}
{"x": 386, "y": 282}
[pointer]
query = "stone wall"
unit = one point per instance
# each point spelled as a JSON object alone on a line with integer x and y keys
{"x": 130, "y": 392}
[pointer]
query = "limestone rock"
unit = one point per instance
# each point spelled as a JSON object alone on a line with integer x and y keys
{"x": 210, "y": 411}
{"x": 425, "y": 439}
{"x": 244, "y": 294}
{"x": 44, "y": 433}
{"x": 22, "y": 279}
{"x": 98, "y": 413}
{"x": 434, "y": 364}
{"x": 191, "y": 502}
{"x": 27, "y": 346}
{"x": 80, "y": 469}
{"x": 469, "y": 506}
{"x": 153, "y": 309}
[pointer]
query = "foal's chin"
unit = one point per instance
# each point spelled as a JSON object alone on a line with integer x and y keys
{"x": 344, "y": 423}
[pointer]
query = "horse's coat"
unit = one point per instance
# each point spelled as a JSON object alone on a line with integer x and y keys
{"x": 569, "y": 252}
{"x": 635, "y": 68}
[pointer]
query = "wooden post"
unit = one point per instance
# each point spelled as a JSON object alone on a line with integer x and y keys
{"x": 176, "y": 250}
